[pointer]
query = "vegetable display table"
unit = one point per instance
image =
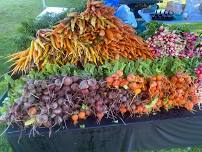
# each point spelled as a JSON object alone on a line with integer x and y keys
{"x": 176, "y": 128}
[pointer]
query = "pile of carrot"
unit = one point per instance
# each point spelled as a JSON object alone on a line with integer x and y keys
{"x": 94, "y": 36}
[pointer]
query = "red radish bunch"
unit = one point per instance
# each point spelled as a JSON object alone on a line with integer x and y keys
{"x": 166, "y": 43}
{"x": 171, "y": 43}
{"x": 191, "y": 49}
{"x": 198, "y": 72}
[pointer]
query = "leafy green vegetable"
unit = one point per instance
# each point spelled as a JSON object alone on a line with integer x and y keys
{"x": 4, "y": 84}
{"x": 30, "y": 121}
{"x": 152, "y": 103}
{"x": 15, "y": 88}
{"x": 191, "y": 64}
{"x": 166, "y": 66}
{"x": 151, "y": 29}
{"x": 153, "y": 26}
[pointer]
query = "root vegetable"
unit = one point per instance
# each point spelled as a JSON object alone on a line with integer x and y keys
{"x": 119, "y": 73}
{"x": 109, "y": 80}
{"x": 131, "y": 78}
{"x": 92, "y": 82}
{"x": 84, "y": 84}
{"x": 189, "y": 106}
{"x": 68, "y": 81}
{"x": 32, "y": 111}
{"x": 75, "y": 119}
{"x": 82, "y": 115}
{"x": 58, "y": 120}
{"x": 137, "y": 91}
{"x": 54, "y": 105}
{"x": 41, "y": 119}
{"x": 88, "y": 113}
{"x": 66, "y": 89}
{"x": 75, "y": 78}
{"x": 123, "y": 110}
{"x": 75, "y": 87}
{"x": 100, "y": 116}
{"x": 46, "y": 92}
{"x": 85, "y": 91}
{"x": 99, "y": 108}
{"x": 45, "y": 98}
{"x": 116, "y": 84}
{"x": 57, "y": 111}
{"x": 58, "y": 83}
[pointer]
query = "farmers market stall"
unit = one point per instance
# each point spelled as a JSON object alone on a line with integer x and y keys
{"x": 90, "y": 82}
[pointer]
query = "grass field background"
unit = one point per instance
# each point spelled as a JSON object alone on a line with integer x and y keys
{"x": 13, "y": 12}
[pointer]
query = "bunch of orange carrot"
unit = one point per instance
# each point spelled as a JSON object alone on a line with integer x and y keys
{"x": 135, "y": 83}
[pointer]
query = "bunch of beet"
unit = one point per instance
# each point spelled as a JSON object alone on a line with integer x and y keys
{"x": 46, "y": 103}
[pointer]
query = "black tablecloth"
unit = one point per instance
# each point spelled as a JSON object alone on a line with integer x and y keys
{"x": 176, "y": 128}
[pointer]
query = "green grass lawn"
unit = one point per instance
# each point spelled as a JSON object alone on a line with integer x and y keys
{"x": 13, "y": 12}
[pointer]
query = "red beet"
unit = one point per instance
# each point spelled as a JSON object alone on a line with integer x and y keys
{"x": 83, "y": 84}
{"x": 54, "y": 105}
{"x": 98, "y": 103}
{"x": 92, "y": 82}
{"x": 46, "y": 92}
{"x": 99, "y": 108}
{"x": 57, "y": 89}
{"x": 85, "y": 91}
{"x": 58, "y": 83}
{"x": 68, "y": 81}
{"x": 45, "y": 98}
{"x": 75, "y": 87}
{"x": 75, "y": 78}
{"x": 91, "y": 100}
{"x": 57, "y": 111}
